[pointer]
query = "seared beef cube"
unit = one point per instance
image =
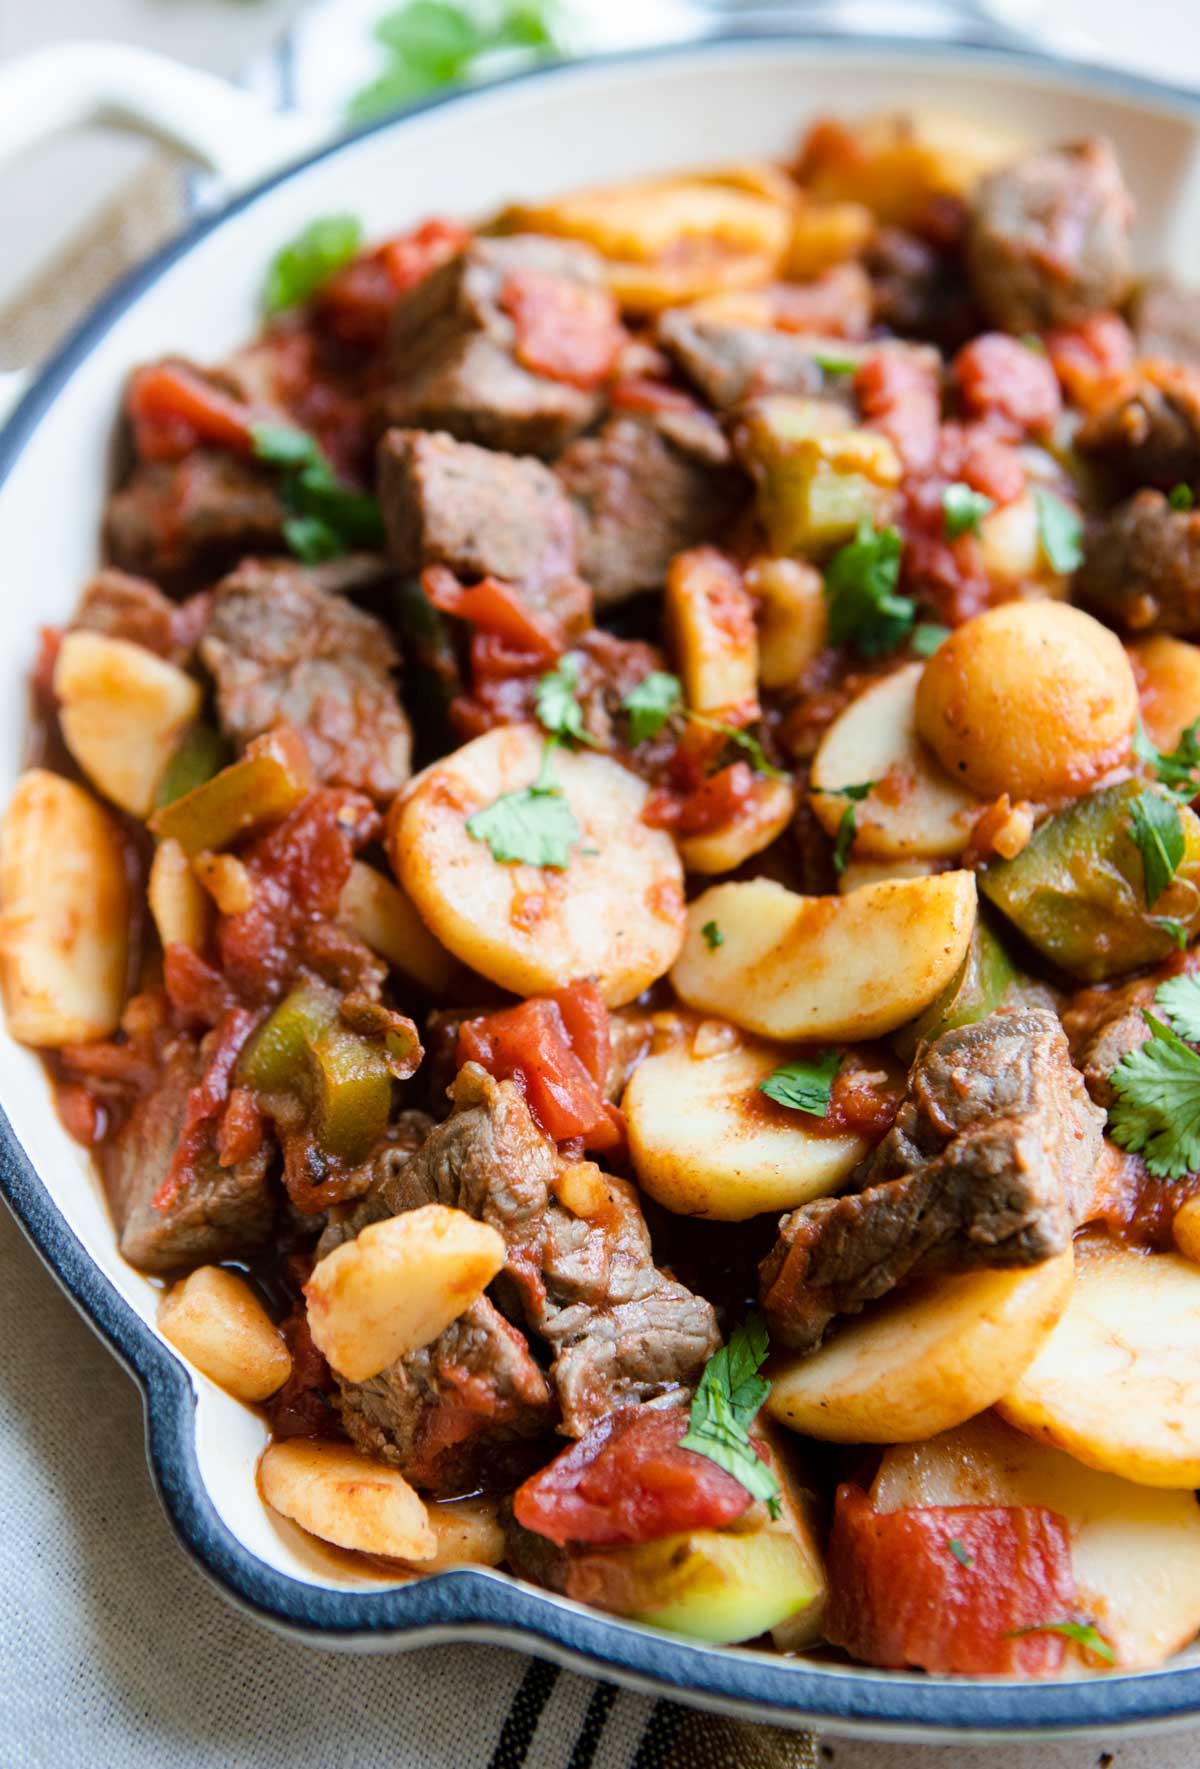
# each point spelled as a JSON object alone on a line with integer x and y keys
{"x": 918, "y": 291}
{"x": 1103, "y": 1025}
{"x": 125, "y": 607}
{"x": 1150, "y": 433}
{"x": 732, "y": 363}
{"x": 184, "y": 521}
{"x": 220, "y": 1213}
{"x": 284, "y": 652}
{"x": 987, "y": 1164}
{"x": 1049, "y": 238}
{"x": 638, "y": 501}
{"x": 452, "y": 351}
{"x": 1165, "y": 318}
{"x": 1141, "y": 567}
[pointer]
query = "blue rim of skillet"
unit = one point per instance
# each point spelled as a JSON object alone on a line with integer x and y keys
{"x": 470, "y": 1604}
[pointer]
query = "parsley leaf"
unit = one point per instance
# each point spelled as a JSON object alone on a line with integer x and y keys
{"x": 1082, "y": 1633}
{"x": 325, "y": 516}
{"x": 712, "y": 935}
{"x": 860, "y": 593}
{"x": 1179, "y": 998}
{"x": 960, "y": 1553}
{"x": 299, "y": 269}
{"x": 655, "y": 699}
{"x": 1060, "y": 531}
{"x": 558, "y": 711}
{"x": 534, "y": 825}
{"x": 1181, "y": 497}
{"x": 963, "y": 509}
{"x": 1157, "y": 1109}
{"x": 1155, "y": 827}
{"x": 927, "y": 636}
{"x": 725, "y": 1405}
{"x": 805, "y": 1087}
{"x": 1176, "y": 768}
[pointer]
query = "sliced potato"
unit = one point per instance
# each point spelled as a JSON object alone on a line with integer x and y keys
{"x": 64, "y": 927}
{"x": 122, "y": 711}
{"x": 345, "y": 1498}
{"x": 824, "y": 234}
{"x": 179, "y": 903}
{"x": 919, "y": 1363}
{"x": 916, "y": 808}
{"x": 382, "y": 916}
{"x": 397, "y": 1285}
{"x": 792, "y": 618}
{"x": 1117, "y": 1384}
{"x": 1011, "y": 549}
{"x": 706, "y": 1142}
{"x": 468, "y": 1532}
{"x": 1168, "y": 679}
{"x": 764, "y": 816}
{"x": 1136, "y": 1551}
{"x": 214, "y": 1318}
{"x": 614, "y": 913}
{"x": 825, "y": 967}
{"x": 711, "y": 631}
{"x": 896, "y": 165}
{"x": 858, "y": 873}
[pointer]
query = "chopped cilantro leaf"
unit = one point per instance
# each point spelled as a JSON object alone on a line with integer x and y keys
{"x": 558, "y": 710}
{"x": 805, "y": 1087}
{"x": 1176, "y": 930}
{"x": 283, "y": 445}
{"x": 865, "y": 610}
{"x": 831, "y": 364}
{"x": 655, "y": 699}
{"x": 325, "y": 516}
{"x": 1181, "y": 497}
{"x": 533, "y": 825}
{"x": 960, "y": 1553}
{"x": 927, "y": 636}
{"x": 1082, "y": 1633}
{"x": 712, "y": 935}
{"x": 1177, "y": 769}
{"x": 744, "y": 741}
{"x": 1179, "y": 998}
{"x": 300, "y": 268}
{"x": 847, "y": 828}
{"x": 311, "y": 539}
{"x": 725, "y": 1405}
{"x": 963, "y": 509}
{"x": 1157, "y": 1109}
{"x": 1060, "y": 531}
{"x": 1155, "y": 827}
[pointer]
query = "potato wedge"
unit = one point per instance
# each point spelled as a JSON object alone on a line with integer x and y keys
{"x": 792, "y": 618}
{"x": 345, "y": 1498}
{"x": 849, "y": 967}
{"x": 916, "y": 808}
{"x": 1136, "y": 1550}
{"x": 214, "y": 1318}
{"x": 1168, "y": 679}
{"x": 711, "y": 631}
{"x": 858, "y": 873}
{"x": 615, "y": 913}
{"x": 397, "y": 1285}
{"x": 1117, "y": 1384}
{"x": 382, "y": 916}
{"x": 467, "y": 1532}
{"x": 181, "y": 907}
{"x": 764, "y": 816}
{"x": 122, "y": 711}
{"x": 706, "y": 1142}
{"x": 896, "y": 165}
{"x": 64, "y": 913}
{"x": 926, "y": 1360}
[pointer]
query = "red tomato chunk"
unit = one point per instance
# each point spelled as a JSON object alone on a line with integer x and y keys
{"x": 565, "y": 329}
{"x": 1007, "y": 385}
{"x": 556, "y": 1048}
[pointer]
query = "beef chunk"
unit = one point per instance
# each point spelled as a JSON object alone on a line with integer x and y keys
{"x": 183, "y": 522}
{"x": 125, "y": 607}
{"x": 1166, "y": 320}
{"x": 484, "y": 514}
{"x": 1105, "y": 1024}
{"x": 918, "y": 291}
{"x": 452, "y": 360}
{"x": 638, "y": 501}
{"x": 1049, "y": 238}
{"x": 223, "y": 1212}
{"x": 1149, "y": 434}
{"x": 1141, "y": 567}
{"x": 987, "y": 1164}
{"x": 730, "y": 363}
{"x": 283, "y": 652}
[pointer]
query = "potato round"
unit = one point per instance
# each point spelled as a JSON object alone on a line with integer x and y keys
{"x": 825, "y": 967}
{"x": 916, "y": 809}
{"x": 345, "y": 1498}
{"x": 755, "y": 826}
{"x": 214, "y": 1318}
{"x": 1168, "y": 678}
{"x": 707, "y": 1142}
{"x": 936, "y": 1355}
{"x": 1035, "y": 699}
{"x": 1117, "y": 1384}
{"x": 615, "y": 913}
{"x": 122, "y": 711}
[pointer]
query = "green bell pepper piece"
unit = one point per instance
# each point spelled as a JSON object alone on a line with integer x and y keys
{"x": 273, "y": 1059}
{"x": 980, "y": 985}
{"x": 351, "y": 1093}
{"x": 262, "y": 787}
{"x": 201, "y": 753}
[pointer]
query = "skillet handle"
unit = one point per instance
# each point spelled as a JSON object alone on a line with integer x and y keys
{"x": 226, "y": 130}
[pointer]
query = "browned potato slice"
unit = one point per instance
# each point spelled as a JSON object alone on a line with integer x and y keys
{"x": 214, "y": 1318}
{"x": 764, "y": 816}
{"x": 792, "y": 618}
{"x": 122, "y": 711}
{"x": 711, "y": 631}
{"x": 335, "y": 1493}
{"x": 896, "y": 165}
{"x": 614, "y": 913}
{"x": 1168, "y": 678}
{"x": 468, "y": 1532}
{"x": 382, "y": 916}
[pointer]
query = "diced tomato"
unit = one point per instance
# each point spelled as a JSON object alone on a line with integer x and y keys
{"x": 205, "y": 1103}
{"x": 1091, "y": 357}
{"x": 836, "y": 304}
{"x": 717, "y": 800}
{"x": 565, "y": 329}
{"x": 585, "y": 1017}
{"x": 82, "y": 1114}
{"x": 356, "y": 304}
{"x": 638, "y": 393}
{"x": 898, "y": 393}
{"x": 901, "y": 1595}
{"x": 531, "y": 1044}
{"x": 494, "y": 607}
{"x": 1008, "y": 386}
{"x": 627, "y": 1481}
{"x": 241, "y": 1130}
{"x": 175, "y": 410}
{"x": 197, "y": 991}
{"x": 303, "y": 1407}
{"x": 863, "y": 1100}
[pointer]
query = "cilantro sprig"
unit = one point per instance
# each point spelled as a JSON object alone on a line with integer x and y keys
{"x": 534, "y": 825}
{"x": 725, "y": 1405}
{"x": 847, "y": 828}
{"x": 927, "y": 636}
{"x": 1060, "y": 531}
{"x": 658, "y": 697}
{"x": 804, "y": 1086}
{"x": 1156, "y": 1112}
{"x": 431, "y": 44}
{"x": 556, "y": 702}
{"x": 1177, "y": 769}
{"x": 300, "y": 268}
{"x": 963, "y": 509}
{"x": 864, "y": 608}
{"x": 325, "y": 517}
{"x": 1155, "y": 827}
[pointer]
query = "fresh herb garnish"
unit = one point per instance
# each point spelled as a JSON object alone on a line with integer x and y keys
{"x": 1032, "y": 341}
{"x": 725, "y": 1405}
{"x": 744, "y": 741}
{"x": 1157, "y": 1109}
{"x": 300, "y": 268}
{"x": 533, "y": 825}
{"x": 847, "y": 827}
{"x": 655, "y": 699}
{"x": 712, "y": 935}
{"x": 960, "y": 1553}
{"x": 927, "y": 636}
{"x": 830, "y": 363}
{"x": 1175, "y": 930}
{"x": 431, "y": 44}
{"x": 324, "y": 516}
{"x": 1177, "y": 768}
{"x": 864, "y": 608}
{"x": 804, "y": 1087}
{"x": 1155, "y": 827}
{"x": 1179, "y": 998}
{"x": 1082, "y": 1633}
{"x": 1060, "y": 531}
{"x": 1181, "y": 497}
{"x": 558, "y": 709}
{"x": 963, "y": 509}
